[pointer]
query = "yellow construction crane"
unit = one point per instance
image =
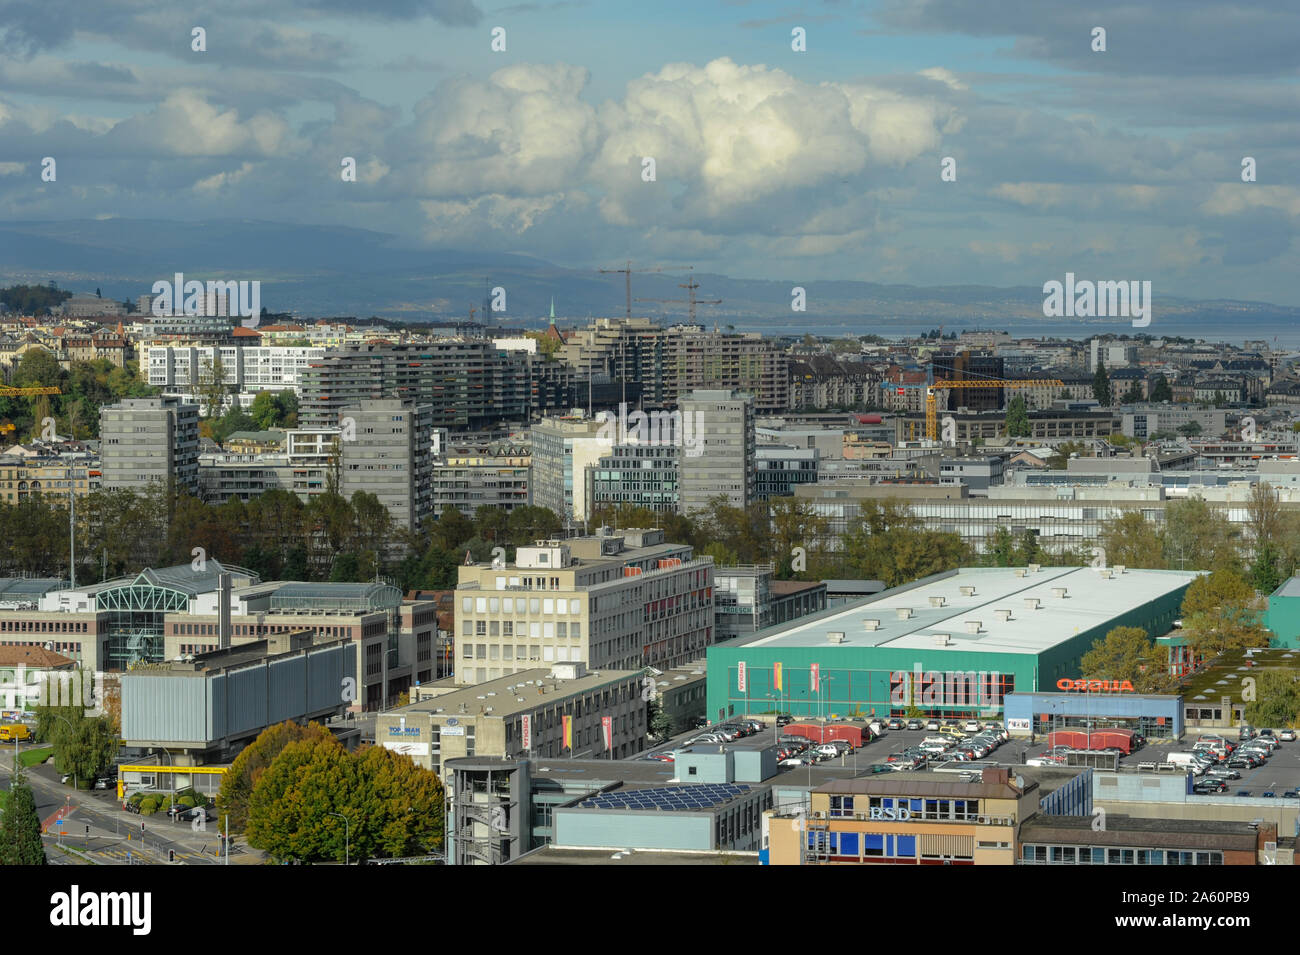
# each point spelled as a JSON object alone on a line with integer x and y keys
{"x": 931, "y": 414}
{"x": 9, "y": 391}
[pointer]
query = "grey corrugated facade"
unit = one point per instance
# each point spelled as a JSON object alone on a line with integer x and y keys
{"x": 207, "y": 709}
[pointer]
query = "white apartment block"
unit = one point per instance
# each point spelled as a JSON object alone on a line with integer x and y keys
{"x": 247, "y": 370}
{"x": 621, "y": 600}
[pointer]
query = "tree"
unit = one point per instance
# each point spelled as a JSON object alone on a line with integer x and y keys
{"x": 1060, "y": 460}
{"x": 1264, "y": 574}
{"x": 1220, "y": 613}
{"x": 659, "y": 720}
{"x": 1127, "y": 653}
{"x": 238, "y": 782}
{"x": 1130, "y": 539}
{"x": 1190, "y": 429}
{"x": 86, "y": 748}
{"x": 1004, "y": 548}
{"x": 1160, "y": 391}
{"x": 1264, "y": 515}
{"x": 1277, "y": 699}
{"x": 1133, "y": 394}
{"x": 392, "y": 807}
{"x": 1199, "y": 537}
{"x": 1101, "y": 385}
{"x": 212, "y": 386}
{"x": 20, "y": 827}
{"x": 888, "y": 543}
{"x": 1017, "y": 418}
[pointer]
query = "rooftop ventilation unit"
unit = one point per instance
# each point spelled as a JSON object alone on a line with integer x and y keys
{"x": 1031, "y": 603}
{"x": 1003, "y": 615}
{"x": 968, "y": 591}
{"x": 942, "y": 640}
{"x": 835, "y": 637}
{"x": 973, "y": 626}
{"x": 1119, "y": 568}
{"x": 1035, "y": 568}
{"x": 1020, "y": 571}
{"x": 1105, "y": 573}
{"x": 871, "y": 624}
{"x": 1058, "y": 592}
{"x": 904, "y": 613}
{"x": 938, "y": 601}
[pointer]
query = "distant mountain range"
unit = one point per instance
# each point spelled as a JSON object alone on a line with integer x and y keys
{"x": 319, "y": 271}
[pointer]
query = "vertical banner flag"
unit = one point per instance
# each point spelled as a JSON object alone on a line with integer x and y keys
{"x": 814, "y": 676}
{"x": 776, "y": 676}
{"x": 740, "y": 677}
{"x": 568, "y": 732}
{"x": 527, "y": 735}
{"x": 607, "y": 724}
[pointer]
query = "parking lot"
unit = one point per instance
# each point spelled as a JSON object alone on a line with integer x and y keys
{"x": 1279, "y": 774}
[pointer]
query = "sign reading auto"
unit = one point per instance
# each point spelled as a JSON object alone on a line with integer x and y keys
{"x": 1096, "y": 686}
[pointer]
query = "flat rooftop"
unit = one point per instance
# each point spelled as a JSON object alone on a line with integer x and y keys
{"x": 507, "y": 695}
{"x": 1091, "y": 600}
{"x": 1124, "y": 830}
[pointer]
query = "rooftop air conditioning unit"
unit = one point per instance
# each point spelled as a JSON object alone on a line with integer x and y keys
{"x": 938, "y": 601}
{"x": 968, "y": 591}
{"x": 871, "y": 624}
{"x": 1003, "y": 615}
{"x": 973, "y": 626}
{"x": 1105, "y": 573}
{"x": 1020, "y": 571}
{"x": 1058, "y": 592}
{"x": 835, "y": 637}
{"x": 942, "y": 639}
{"x": 904, "y": 613}
{"x": 1119, "y": 568}
{"x": 1031, "y": 603}
{"x": 1035, "y": 568}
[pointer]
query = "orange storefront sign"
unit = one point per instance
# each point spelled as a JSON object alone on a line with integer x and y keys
{"x": 1096, "y": 686}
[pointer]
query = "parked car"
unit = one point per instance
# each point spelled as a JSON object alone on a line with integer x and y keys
{"x": 1244, "y": 792}
{"x": 894, "y": 724}
{"x": 932, "y": 725}
{"x": 1269, "y": 794}
{"x": 973, "y": 726}
{"x": 1223, "y": 772}
{"x": 915, "y": 725}
{"x": 784, "y": 719}
{"x": 1291, "y": 794}
{"x": 106, "y": 782}
{"x": 1245, "y": 732}
{"x": 1287, "y": 736}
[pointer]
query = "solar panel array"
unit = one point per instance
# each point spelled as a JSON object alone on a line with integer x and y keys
{"x": 702, "y": 796}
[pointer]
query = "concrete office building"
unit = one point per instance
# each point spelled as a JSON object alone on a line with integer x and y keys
{"x": 620, "y": 600}
{"x": 165, "y": 613}
{"x": 749, "y": 599}
{"x": 205, "y": 708}
{"x": 1141, "y": 421}
{"x": 778, "y": 470}
{"x": 563, "y": 450}
{"x": 391, "y": 457}
{"x": 522, "y": 715}
{"x": 953, "y": 644}
{"x": 150, "y": 440}
{"x": 719, "y": 438}
{"x": 635, "y": 475}
{"x": 246, "y": 369}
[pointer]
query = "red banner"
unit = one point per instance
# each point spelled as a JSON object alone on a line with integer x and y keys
{"x": 814, "y": 676}
{"x": 526, "y": 737}
{"x": 607, "y": 724}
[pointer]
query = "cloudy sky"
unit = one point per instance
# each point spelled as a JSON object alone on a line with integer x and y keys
{"x": 1123, "y": 164}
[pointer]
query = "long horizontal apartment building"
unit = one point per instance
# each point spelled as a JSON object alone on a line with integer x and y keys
{"x": 619, "y": 600}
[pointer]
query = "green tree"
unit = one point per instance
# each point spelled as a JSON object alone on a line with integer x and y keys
{"x": 659, "y": 720}
{"x": 1133, "y": 394}
{"x": 1277, "y": 699}
{"x": 392, "y": 807}
{"x": 1101, "y": 385}
{"x": 20, "y": 827}
{"x": 1221, "y": 612}
{"x": 1199, "y": 537}
{"x": 1017, "y": 418}
{"x": 1127, "y": 653}
{"x": 212, "y": 386}
{"x": 1004, "y": 548}
{"x": 85, "y": 749}
{"x": 238, "y": 782}
{"x": 1191, "y": 428}
{"x": 1160, "y": 391}
{"x": 1264, "y": 574}
{"x": 889, "y": 544}
{"x": 1130, "y": 539}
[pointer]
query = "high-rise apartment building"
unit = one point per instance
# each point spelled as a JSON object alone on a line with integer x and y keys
{"x": 718, "y": 449}
{"x": 563, "y": 448}
{"x": 386, "y": 450}
{"x": 150, "y": 439}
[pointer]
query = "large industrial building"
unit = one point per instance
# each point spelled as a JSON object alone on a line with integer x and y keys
{"x": 954, "y": 644}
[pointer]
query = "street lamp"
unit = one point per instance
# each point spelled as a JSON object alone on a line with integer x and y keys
{"x": 347, "y": 838}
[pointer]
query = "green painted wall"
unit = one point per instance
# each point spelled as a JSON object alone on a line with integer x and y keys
{"x": 1283, "y": 618}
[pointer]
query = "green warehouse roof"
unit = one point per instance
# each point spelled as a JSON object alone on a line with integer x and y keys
{"x": 920, "y": 616}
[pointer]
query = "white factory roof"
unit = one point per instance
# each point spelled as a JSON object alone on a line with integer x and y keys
{"x": 1091, "y": 600}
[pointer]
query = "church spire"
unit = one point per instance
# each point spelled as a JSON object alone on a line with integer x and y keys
{"x": 552, "y": 309}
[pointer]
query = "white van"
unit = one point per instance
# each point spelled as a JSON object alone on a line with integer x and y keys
{"x": 1183, "y": 759}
